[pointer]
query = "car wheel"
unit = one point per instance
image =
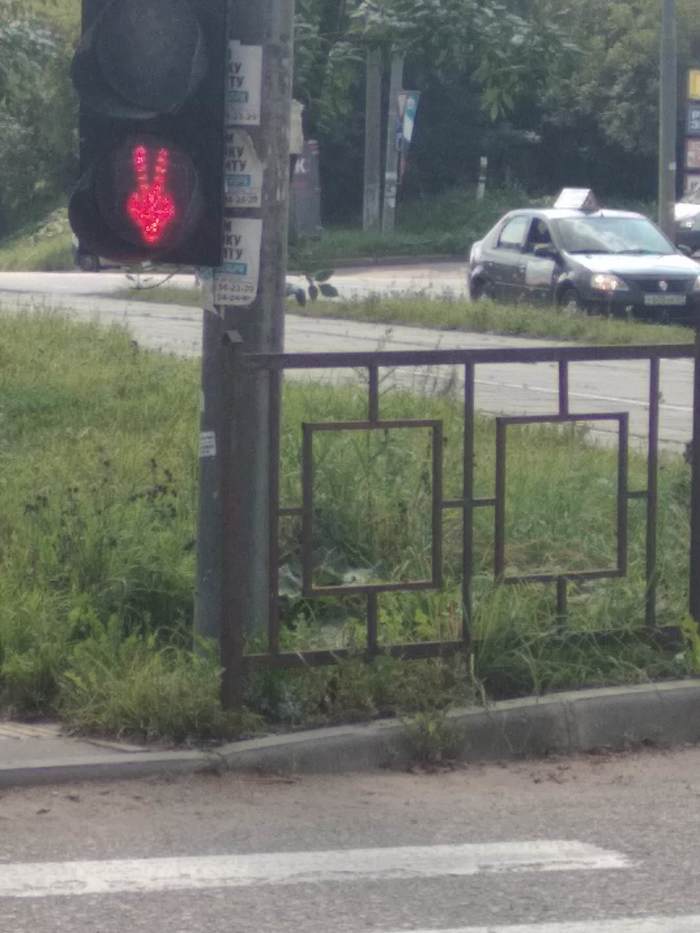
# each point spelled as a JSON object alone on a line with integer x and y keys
{"x": 88, "y": 262}
{"x": 570, "y": 300}
{"x": 482, "y": 290}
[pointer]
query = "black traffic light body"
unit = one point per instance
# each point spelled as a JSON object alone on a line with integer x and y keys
{"x": 150, "y": 75}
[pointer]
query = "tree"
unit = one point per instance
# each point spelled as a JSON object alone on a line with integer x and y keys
{"x": 476, "y": 61}
{"x": 37, "y": 117}
{"x": 600, "y": 116}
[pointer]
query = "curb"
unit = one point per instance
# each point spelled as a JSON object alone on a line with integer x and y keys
{"x": 663, "y": 715}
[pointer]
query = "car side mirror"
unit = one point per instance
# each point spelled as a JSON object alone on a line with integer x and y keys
{"x": 682, "y": 248}
{"x": 546, "y": 251}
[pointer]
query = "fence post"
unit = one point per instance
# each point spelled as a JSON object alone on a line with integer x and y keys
{"x": 694, "y": 580}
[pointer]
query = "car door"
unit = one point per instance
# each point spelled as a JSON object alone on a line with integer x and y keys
{"x": 508, "y": 276}
{"x": 538, "y": 271}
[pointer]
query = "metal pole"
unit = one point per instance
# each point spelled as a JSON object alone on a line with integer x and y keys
{"x": 392, "y": 152}
{"x": 207, "y": 606}
{"x": 668, "y": 116}
{"x": 233, "y": 540}
{"x": 694, "y": 582}
{"x": 371, "y": 202}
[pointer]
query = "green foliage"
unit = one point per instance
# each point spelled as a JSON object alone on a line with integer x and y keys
{"x": 554, "y": 94}
{"x": 692, "y": 653}
{"x": 433, "y": 738}
{"x": 135, "y": 686}
{"x": 97, "y": 518}
{"x": 37, "y": 116}
{"x": 43, "y": 247}
{"x": 519, "y": 320}
{"x": 317, "y": 285}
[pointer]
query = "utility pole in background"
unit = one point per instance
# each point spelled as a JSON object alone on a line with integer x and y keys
{"x": 668, "y": 116}
{"x": 246, "y": 316}
{"x": 391, "y": 177}
{"x": 371, "y": 201}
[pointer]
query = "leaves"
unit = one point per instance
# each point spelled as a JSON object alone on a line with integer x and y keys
{"x": 37, "y": 118}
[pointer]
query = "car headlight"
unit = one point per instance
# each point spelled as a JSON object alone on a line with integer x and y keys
{"x": 696, "y": 287}
{"x": 607, "y": 282}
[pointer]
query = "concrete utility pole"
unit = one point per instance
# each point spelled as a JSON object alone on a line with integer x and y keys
{"x": 668, "y": 116}
{"x": 392, "y": 152}
{"x": 237, "y": 430}
{"x": 371, "y": 202}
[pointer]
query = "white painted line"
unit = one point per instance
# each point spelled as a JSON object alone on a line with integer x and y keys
{"x": 623, "y": 925}
{"x": 51, "y": 879}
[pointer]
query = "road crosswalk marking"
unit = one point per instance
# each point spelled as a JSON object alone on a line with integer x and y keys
{"x": 50, "y": 879}
{"x": 622, "y": 925}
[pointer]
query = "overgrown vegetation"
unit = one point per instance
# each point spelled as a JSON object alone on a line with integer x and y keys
{"x": 98, "y": 471}
{"x": 521, "y": 320}
{"x": 44, "y": 246}
{"x": 455, "y": 314}
{"x": 553, "y": 96}
{"x": 38, "y": 115}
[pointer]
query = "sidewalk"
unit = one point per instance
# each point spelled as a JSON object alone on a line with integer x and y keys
{"x": 664, "y": 715}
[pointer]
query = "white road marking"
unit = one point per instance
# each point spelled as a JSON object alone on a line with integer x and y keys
{"x": 51, "y": 879}
{"x": 623, "y": 925}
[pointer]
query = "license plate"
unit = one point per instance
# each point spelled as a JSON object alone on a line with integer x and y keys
{"x": 664, "y": 300}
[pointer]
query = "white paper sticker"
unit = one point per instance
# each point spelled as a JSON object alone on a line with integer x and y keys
{"x": 205, "y": 276}
{"x": 236, "y": 283}
{"x": 243, "y": 171}
{"x": 207, "y": 444}
{"x": 243, "y": 84}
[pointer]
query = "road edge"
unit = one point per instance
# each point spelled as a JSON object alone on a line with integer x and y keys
{"x": 614, "y": 718}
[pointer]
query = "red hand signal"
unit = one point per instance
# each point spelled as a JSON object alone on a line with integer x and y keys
{"x": 150, "y": 207}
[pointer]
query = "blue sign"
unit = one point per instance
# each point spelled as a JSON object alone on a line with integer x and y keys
{"x": 693, "y": 127}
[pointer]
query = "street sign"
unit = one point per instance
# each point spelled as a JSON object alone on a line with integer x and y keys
{"x": 694, "y": 84}
{"x": 692, "y": 154}
{"x": 408, "y": 107}
{"x": 305, "y": 217}
{"x": 693, "y": 119}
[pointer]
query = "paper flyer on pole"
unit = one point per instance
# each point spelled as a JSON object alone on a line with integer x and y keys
{"x": 236, "y": 282}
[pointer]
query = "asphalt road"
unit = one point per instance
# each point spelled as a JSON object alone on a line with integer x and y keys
{"x": 597, "y": 844}
{"x": 502, "y": 389}
{"x": 442, "y": 278}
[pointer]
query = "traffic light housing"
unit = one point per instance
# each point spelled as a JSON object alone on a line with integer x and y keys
{"x": 150, "y": 75}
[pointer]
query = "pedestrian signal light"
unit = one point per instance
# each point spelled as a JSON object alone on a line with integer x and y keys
{"x": 150, "y": 75}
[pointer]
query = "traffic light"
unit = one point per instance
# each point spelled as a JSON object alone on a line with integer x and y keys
{"x": 150, "y": 75}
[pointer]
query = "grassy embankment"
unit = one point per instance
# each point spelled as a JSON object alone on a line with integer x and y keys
{"x": 98, "y": 472}
{"x": 452, "y": 314}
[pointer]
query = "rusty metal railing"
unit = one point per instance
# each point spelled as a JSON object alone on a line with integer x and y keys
{"x": 467, "y": 503}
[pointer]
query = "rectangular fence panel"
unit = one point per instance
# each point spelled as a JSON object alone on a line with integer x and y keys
{"x": 467, "y": 504}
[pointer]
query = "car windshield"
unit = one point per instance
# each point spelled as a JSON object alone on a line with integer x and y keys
{"x": 600, "y": 234}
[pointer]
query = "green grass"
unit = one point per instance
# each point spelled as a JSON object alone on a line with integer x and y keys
{"x": 448, "y": 313}
{"x": 439, "y": 224}
{"x": 444, "y": 224}
{"x": 98, "y": 480}
{"x": 41, "y": 247}
{"x": 519, "y": 320}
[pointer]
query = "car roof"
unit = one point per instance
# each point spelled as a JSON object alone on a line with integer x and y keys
{"x": 559, "y": 213}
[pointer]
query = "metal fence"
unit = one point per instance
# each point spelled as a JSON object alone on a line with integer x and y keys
{"x": 468, "y": 361}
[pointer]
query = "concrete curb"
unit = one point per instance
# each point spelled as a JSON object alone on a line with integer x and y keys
{"x": 664, "y": 714}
